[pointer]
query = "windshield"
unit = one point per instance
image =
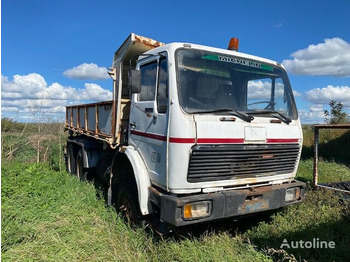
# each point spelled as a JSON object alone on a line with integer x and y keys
{"x": 213, "y": 82}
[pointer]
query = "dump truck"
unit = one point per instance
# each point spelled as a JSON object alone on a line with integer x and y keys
{"x": 192, "y": 134}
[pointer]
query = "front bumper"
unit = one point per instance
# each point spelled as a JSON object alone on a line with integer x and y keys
{"x": 230, "y": 203}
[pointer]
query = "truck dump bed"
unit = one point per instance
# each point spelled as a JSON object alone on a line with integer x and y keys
{"x": 108, "y": 119}
{"x": 96, "y": 119}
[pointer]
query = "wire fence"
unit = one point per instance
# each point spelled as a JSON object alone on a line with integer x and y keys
{"x": 339, "y": 186}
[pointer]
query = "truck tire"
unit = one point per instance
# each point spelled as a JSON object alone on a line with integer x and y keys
{"x": 80, "y": 172}
{"x": 127, "y": 203}
{"x": 71, "y": 161}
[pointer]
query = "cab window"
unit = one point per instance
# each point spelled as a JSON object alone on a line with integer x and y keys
{"x": 162, "y": 92}
{"x": 148, "y": 81}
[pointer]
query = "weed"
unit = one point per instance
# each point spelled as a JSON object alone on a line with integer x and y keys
{"x": 52, "y": 216}
{"x": 327, "y": 171}
{"x": 334, "y": 145}
{"x": 321, "y": 217}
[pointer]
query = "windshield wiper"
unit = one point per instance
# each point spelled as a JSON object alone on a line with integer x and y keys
{"x": 276, "y": 114}
{"x": 233, "y": 112}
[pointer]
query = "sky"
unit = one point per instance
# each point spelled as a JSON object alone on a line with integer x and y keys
{"x": 56, "y": 52}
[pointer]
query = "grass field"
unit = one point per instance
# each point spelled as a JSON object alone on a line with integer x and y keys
{"x": 52, "y": 216}
{"x": 48, "y": 215}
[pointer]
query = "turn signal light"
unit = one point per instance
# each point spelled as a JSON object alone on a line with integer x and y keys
{"x": 233, "y": 45}
{"x": 196, "y": 210}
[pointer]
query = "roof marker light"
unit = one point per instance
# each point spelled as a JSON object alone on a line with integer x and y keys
{"x": 233, "y": 45}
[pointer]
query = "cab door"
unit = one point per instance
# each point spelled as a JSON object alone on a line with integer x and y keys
{"x": 149, "y": 117}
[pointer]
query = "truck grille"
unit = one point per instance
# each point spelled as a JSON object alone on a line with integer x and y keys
{"x": 223, "y": 162}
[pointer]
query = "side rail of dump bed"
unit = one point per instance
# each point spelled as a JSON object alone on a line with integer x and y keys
{"x": 97, "y": 120}
{"x": 94, "y": 120}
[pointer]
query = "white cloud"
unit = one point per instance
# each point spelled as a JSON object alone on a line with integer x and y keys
{"x": 316, "y": 108}
{"x": 9, "y": 95}
{"x": 278, "y": 25}
{"x": 320, "y": 98}
{"x": 331, "y": 58}
{"x": 311, "y": 117}
{"x": 87, "y": 71}
{"x": 259, "y": 89}
{"x": 296, "y": 93}
{"x": 9, "y": 109}
{"x": 26, "y": 85}
{"x": 30, "y": 95}
{"x": 326, "y": 94}
{"x": 262, "y": 90}
{"x": 57, "y": 91}
{"x": 95, "y": 92}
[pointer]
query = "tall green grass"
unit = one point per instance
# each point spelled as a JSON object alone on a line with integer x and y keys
{"x": 334, "y": 144}
{"x": 322, "y": 216}
{"x": 328, "y": 172}
{"x": 52, "y": 216}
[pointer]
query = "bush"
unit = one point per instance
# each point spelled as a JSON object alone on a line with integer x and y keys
{"x": 337, "y": 114}
{"x": 10, "y": 125}
{"x": 33, "y": 142}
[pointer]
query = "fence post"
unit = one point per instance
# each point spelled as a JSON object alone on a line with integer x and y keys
{"x": 315, "y": 173}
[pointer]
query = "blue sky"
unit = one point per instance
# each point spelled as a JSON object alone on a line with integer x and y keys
{"x": 55, "y": 53}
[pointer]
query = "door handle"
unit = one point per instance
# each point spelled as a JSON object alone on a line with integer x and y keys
{"x": 133, "y": 125}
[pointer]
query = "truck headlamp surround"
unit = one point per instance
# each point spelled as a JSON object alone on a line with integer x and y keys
{"x": 196, "y": 210}
{"x": 292, "y": 194}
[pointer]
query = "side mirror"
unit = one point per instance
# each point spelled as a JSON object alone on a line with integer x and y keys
{"x": 135, "y": 81}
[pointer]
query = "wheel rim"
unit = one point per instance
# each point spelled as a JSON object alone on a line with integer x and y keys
{"x": 126, "y": 209}
{"x": 70, "y": 161}
{"x": 69, "y": 164}
{"x": 79, "y": 167}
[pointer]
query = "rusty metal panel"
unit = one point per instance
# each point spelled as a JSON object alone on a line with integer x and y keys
{"x": 75, "y": 117}
{"x": 147, "y": 41}
{"x": 253, "y": 206}
{"x": 105, "y": 119}
{"x": 133, "y": 45}
{"x": 91, "y": 119}
{"x": 125, "y": 112}
{"x": 82, "y": 117}
{"x": 126, "y": 54}
{"x": 68, "y": 116}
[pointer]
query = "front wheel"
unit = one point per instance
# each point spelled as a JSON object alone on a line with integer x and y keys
{"x": 127, "y": 203}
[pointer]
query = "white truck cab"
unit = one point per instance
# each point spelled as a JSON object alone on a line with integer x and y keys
{"x": 206, "y": 133}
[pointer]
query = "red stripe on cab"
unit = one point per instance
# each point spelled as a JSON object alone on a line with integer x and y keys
{"x": 209, "y": 140}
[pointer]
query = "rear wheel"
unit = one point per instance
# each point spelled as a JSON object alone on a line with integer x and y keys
{"x": 81, "y": 173}
{"x": 127, "y": 203}
{"x": 71, "y": 163}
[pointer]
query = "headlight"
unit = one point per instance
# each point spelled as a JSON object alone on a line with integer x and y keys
{"x": 292, "y": 194}
{"x": 196, "y": 210}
